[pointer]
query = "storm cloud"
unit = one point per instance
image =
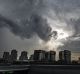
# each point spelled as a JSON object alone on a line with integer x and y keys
{"x": 34, "y": 25}
{"x": 42, "y": 18}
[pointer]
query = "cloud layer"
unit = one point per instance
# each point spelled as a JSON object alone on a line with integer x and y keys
{"x": 35, "y": 25}
{"x": 27, "y": 18}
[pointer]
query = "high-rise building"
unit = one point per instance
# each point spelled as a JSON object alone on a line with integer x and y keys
{"x": 23, "y": 56}
{"x": 13, "y": 55}
{"x": 39, "y": 55}
{"x": 61, "y": 55}
{"x": 50, "y": 56}
{"x": 31, "y": 57}
{"x": 79, "y": 60}
{"x": 65, "y": 56}
{"x": 6, "y": 56}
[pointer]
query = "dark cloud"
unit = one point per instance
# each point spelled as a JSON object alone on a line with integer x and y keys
{"x": 76, "y": 24}
{"x": 36, "y": 24}
{"x": 72, "y": 45}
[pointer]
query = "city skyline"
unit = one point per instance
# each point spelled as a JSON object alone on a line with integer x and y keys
{"x": 24, "y": 54}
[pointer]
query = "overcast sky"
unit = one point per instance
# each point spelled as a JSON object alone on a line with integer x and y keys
{"x": 40, "y": 24}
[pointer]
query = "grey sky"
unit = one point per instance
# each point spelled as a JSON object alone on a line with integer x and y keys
{"x": 63, "y": 16}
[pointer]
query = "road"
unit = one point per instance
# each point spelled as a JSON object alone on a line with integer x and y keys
{"x": 41, "y": 69}
{"x": 14, "y": 68}
{"x": 55, "y": 69}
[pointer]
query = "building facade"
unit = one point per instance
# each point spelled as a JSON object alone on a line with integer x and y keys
{"x": 6, "y": 56}
{"x": 39, "y": 55}
{"x": 23, "y": 56}
{"x": 65, "y": 56}
{"x": 50, "y": 56}
{"x": 13, "y": 55}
